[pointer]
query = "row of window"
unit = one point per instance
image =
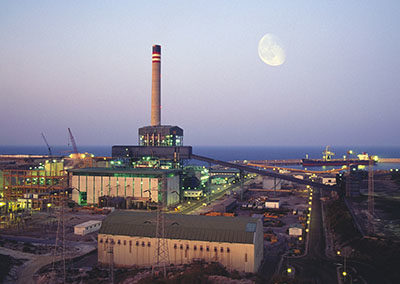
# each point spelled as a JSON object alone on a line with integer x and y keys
{"x": 124, "y": 242}
{"x": 201, "y": 248}
{"x": 143, "y": 244}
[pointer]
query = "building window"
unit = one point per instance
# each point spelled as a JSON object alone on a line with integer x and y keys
{"x": 208, "y": 248}
{"x": 222, "y": 249}
{"x": 137, "y": 243}
{"x": 228, "y": 250}
{"x": 124, "y": 242}
{"x": 195, "y": 247}
{"x": 101, "y": 241}
{"x": 148, "y": 244}
{"x": 215, "y": 249}
{"x": 143, "y": 244}
{"x": 175, "y": 246}
{"x": 245, "y": 257}
{"x": 130, "y": 246}
{"x": 201, "y": 248}
{"x": 181, "y": 247}
{"x": 187, "y": 247}
{"x": 119, "y": 242}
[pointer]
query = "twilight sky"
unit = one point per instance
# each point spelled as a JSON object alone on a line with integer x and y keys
{"x": 87, "y": 65}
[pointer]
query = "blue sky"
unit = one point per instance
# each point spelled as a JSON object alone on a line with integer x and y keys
{"x": 87, "y": 65}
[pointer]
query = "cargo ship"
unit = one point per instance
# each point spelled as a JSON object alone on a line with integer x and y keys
{"x": 363, "y": 159}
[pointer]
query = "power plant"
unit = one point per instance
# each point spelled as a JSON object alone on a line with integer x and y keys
{"x": 164, "y": 142}
{"x": 248, "y": 206}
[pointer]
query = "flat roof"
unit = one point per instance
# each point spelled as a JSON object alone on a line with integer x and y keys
{"x": 87, "y": 223}
{"x": 182, "y": 227}
{"x": 139, "y": 171}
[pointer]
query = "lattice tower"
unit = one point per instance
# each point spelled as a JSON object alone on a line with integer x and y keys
{"x": 161, "y": 256}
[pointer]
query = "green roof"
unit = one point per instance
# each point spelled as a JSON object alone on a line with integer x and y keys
{"x": 179, "y": 226}
{"x": 139, "y": 171}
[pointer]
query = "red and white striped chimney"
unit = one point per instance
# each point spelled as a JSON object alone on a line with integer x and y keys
{"x": 156, "y": 86}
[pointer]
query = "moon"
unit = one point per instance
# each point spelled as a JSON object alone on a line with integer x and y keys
{"x": 271, "y": 51}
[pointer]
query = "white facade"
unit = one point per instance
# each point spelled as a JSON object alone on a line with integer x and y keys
{"x": 87, "y": 227}
{"x": 193, "y": 193}
{"x": 141, "y": 188}
{"x": 235, "y": 242}
{"x": 272, "y": 204}
{"x": 295, "y": 231}
{"x": 329, "y": 180}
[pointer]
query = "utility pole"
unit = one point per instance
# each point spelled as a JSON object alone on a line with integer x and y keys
{"x": 161, "y": 256}
{"x": 348, "y": 183}
{"x": 241, "y": 177}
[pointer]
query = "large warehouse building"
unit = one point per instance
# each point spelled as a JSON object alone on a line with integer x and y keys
{"x": 140, "y": 184}
{"x": 235, "y": 242}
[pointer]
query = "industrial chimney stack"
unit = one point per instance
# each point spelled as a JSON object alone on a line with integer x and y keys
{"x": 156, "y": 87}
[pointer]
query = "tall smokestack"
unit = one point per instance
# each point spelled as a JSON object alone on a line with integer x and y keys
{"x": 155, "y": 86}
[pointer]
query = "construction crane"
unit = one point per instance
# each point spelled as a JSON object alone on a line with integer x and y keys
{"x": 47, "y": 144}
{"x": 73, "y": 141}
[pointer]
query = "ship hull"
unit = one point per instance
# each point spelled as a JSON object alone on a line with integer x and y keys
{"x": 335, "y": 162}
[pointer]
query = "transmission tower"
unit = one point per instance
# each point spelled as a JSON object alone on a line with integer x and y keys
{"x": 110, "y": 252}
{"x": 59, "y": 247}
{"x": 371, "y": 193}
{"x": 161, "y": 256}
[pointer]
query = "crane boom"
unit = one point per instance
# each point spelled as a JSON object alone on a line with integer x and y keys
{"x": 47, "y": 144}
{"x": 73, "y": 141}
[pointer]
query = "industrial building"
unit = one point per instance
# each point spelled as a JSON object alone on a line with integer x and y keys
{"x": 128, "y": 238}
{"x": 161, "y": 142}
{"x": 141, "y": 185}
{"x": 87, "y": 227}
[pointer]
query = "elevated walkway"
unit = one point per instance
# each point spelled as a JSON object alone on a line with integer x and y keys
{"x": 263, "y": 172}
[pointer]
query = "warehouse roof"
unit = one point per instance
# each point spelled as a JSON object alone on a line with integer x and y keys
{"x": 139, "y": 171}
{"x": 178, "y": 226}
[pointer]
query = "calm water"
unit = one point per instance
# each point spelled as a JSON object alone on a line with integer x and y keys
{"x": 232, "y": 152}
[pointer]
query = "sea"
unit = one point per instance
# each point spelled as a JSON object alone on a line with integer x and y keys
{"x": 231, "y": 153}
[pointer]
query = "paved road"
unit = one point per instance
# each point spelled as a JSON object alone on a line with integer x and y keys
{"x": 196, "y": 204}
{"x": 315, "y": 267}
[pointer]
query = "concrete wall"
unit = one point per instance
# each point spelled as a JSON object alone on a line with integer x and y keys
{"x": 129, "y": 251}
